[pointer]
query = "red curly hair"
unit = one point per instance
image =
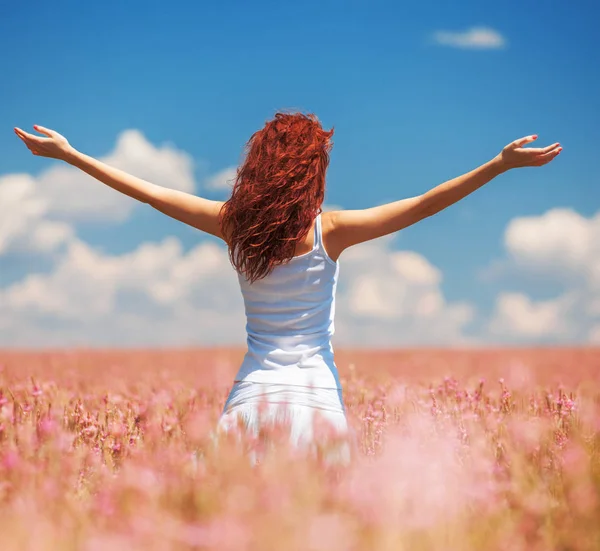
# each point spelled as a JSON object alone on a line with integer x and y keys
{"x": 277, "y": 194}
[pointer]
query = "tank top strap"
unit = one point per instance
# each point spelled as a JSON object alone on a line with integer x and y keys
{"x": 318, "y": 233}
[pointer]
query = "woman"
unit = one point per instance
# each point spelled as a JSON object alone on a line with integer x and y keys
{"x": 286, "y": 255}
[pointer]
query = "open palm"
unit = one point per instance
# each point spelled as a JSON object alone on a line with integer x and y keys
{"x": 515, "y": 155}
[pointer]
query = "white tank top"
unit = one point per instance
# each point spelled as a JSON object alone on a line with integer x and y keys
{"x": 290, "y": 321}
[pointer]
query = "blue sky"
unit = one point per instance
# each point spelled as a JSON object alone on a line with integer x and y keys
{"x": 409, "y": 113}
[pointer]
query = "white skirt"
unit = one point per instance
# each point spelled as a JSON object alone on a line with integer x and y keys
{"x": 301, "y": 409}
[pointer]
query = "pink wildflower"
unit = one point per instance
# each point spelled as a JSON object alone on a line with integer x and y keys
{"x": 11, "y": 460}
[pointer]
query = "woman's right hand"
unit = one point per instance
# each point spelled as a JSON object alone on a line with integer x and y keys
{"x": 515, "y": 155}
{"x": 54, "y": 146}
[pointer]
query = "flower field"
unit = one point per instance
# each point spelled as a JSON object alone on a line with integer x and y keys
{"x": 115, "y": 450}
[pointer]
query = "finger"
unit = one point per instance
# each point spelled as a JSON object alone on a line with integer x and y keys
{"x": 23, "y": 134}
{"x": 523, "y": 141}
{"x": 20, "y": 134}
{"x": 550, "y": 147}
{"x": 30, "y": 137}
{"x": 42, "y": 130}
{"x": 547, "y": 157}
{"x": 541, "y": 150}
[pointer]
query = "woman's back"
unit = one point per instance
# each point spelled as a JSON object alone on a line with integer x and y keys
{"x": 290, "y": 321}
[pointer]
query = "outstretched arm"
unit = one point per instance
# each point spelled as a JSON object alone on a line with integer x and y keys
{"x": 356, "y": 226}
{"x": 189, "y": 209}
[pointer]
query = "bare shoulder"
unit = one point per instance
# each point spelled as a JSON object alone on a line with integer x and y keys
{"x": 328, "y": 220}
{"x": 329, "y": 224}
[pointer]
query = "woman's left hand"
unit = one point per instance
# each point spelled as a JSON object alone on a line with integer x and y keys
{"x": 54, "y": 145}
{"x": 516, "y": 155}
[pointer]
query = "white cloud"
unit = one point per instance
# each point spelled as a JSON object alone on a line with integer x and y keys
{"x": 223, "y": 179}
{"x": 559, "y": 246}
{"x": 560, "y": 241}
{"x": 23, "y": 222}
{"x": 415, "y": 269}
{"x": 517, "y": 316}
{"x": 389, "y": 298}
{"x": 156, "y": 294}
{"x": 474, "y": 38}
